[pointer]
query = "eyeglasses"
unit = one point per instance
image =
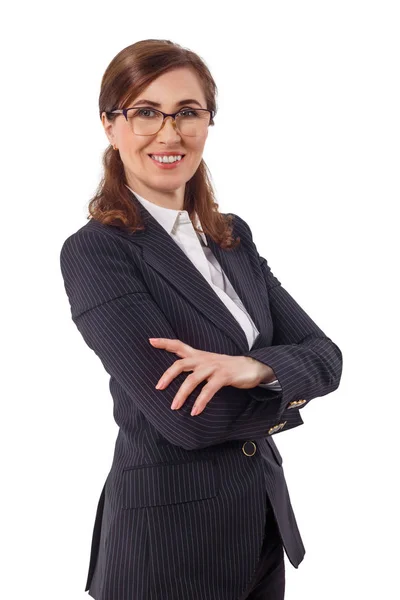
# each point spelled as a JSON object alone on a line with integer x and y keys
{"x": 148, "y": 121}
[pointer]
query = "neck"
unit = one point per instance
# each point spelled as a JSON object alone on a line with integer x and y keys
{"x": 173, "y": 199}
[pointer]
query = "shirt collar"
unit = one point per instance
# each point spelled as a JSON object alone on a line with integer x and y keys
{"x": 166, "y": 217}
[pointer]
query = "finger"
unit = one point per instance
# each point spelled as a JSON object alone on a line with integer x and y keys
{"x": 171, "y": 345}
{"x": 173, "y": 371}
{"x": 206, "y": 395}
{"x": 163, "y": 342}
{"x": 187, "y": 387}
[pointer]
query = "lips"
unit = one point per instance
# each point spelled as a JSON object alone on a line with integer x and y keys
{"x": 162, "y": 155}
{"x": 166, "y": 166}
{"x": 167, "y": 162}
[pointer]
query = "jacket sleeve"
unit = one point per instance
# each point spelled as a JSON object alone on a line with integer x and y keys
{"x": 307, "y": 363}
{"x": 115, "y": 314}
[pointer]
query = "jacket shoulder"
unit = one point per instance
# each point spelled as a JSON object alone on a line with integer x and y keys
{"x": 91, "y": 228}
{"x": 242, "y": 229}
{"x": 96, "y": 268}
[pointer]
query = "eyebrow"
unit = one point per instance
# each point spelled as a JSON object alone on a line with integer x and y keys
{"x": 158, "y": 105}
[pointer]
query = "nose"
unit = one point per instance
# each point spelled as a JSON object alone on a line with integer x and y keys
{"x": 169, "y": 130}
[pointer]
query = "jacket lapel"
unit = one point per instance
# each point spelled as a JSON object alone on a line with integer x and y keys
{"x": 237, "y": 266}
{"x": 161, "y": 253}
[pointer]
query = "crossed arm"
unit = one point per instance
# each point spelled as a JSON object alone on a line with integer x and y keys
{"x": 307, "y": 363}
{"x": 116, "y": 316}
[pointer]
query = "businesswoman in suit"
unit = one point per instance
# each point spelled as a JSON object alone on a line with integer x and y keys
{"x": 195, "y": 505}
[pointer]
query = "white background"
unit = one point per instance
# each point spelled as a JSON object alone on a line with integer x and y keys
{"x": 306, "y": 149}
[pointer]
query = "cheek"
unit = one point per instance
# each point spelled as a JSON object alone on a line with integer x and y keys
{"x": 134, "y": 152}
{"x": 129, "y": 144}
{"x": 197, "y": 145}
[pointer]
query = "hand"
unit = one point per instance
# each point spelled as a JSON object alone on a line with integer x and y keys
{"x": 219, "y": 370}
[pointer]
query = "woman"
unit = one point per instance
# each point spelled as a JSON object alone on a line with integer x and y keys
{"x": 195, "y": 506}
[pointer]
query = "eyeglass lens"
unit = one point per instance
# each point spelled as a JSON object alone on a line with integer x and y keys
{"x": 147, "y": 121}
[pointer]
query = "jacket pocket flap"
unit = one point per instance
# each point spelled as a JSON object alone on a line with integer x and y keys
{"x": 160, "y": 484}
{"x": 275, "y": 450}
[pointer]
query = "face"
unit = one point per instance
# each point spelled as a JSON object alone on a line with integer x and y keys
{"x": 164, "y": 187}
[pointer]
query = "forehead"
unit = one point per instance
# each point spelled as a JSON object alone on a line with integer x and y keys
{"x": 171, "y": 88}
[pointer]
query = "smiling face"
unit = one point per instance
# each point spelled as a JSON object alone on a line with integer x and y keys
{"x": 163, "y": 186}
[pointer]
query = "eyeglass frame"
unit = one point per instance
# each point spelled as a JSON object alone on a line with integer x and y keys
{"x": 124, "y": 111}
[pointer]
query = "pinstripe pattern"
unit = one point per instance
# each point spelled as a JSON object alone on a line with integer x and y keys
{"x": 182, "y": 511}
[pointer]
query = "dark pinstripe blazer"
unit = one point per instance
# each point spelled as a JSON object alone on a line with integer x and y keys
{"x": 182, "y": 512}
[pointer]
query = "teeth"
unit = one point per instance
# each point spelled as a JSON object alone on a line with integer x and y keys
{"x": 167, "y": 159}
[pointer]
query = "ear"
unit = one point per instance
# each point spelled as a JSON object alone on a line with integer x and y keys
{"x": 108, "y": 128}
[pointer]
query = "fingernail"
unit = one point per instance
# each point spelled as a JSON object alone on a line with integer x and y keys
{"x": 195, "y": 411}
{"x": 174, "y": 405}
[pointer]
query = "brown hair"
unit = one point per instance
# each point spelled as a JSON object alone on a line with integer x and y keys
{"x": 130, "y": 72}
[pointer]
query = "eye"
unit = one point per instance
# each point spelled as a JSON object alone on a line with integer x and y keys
{"x": 185, "y": 112}
{"x": 141, "y": 112}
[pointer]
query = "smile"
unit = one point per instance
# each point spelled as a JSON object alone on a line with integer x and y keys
{"x": 167, "y": 165}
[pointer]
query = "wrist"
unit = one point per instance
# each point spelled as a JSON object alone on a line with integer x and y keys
{"x": 266, "y": 374}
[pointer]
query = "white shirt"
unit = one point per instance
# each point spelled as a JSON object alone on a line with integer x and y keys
{"x": 204, "y": 260}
